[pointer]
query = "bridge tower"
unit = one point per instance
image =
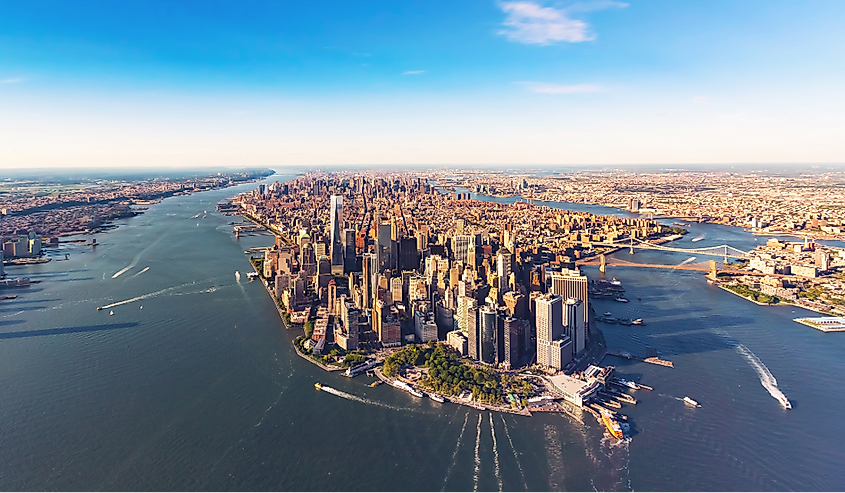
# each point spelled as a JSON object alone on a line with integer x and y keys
{"x": 631, "y": 251}
{"x": 603, "y": 266}
{"x": 712, "y": 274}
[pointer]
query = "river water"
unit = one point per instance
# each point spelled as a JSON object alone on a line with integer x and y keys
{"x": 193, "y": 384}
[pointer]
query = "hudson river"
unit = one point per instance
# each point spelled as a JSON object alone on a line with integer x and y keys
{"x": 193, "y": 384}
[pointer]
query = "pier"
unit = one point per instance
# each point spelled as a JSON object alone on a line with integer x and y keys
{"x": 651, "y": 359}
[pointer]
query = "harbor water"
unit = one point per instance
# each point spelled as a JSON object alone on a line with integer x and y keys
{"x": 192, "y": 384}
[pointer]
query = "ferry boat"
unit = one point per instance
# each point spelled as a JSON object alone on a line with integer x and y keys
{"x": 691, "y": 402}
{"x": 627, "y": 383}
{"x": 437, "y": 398}
{"x": 784, "y": 402}
{"x": 611, "y": 424}
{"x": 621, "y": 300}
{"x": 318, "y": 386}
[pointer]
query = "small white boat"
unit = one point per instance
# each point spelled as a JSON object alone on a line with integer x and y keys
{"x": 606, "y": 314}
{"x": 784, "y": 402}
{"x": 621, "y": 300}
{"x": 111, "y": 312}
{"x": 691, "y": 402}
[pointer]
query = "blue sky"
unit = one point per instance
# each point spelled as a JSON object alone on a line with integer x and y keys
{"x": 151, "y": 83}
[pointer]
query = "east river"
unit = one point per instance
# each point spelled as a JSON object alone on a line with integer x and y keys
{"x": 192, "y": 384}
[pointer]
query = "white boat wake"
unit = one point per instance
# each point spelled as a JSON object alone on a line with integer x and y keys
{"x": 455, "y": 453}
{"x": 495, "y": 453}
{"x": 515, "y": 457}
{"x": 768, "y": 380}
{"x": 687, "y": 261}
{"x": 699, "y": 238}
{"x": 477, "y": 457}
{"x": 362, "y": 400}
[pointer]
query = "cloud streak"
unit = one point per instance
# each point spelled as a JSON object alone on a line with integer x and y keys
{"x": 11, "y": 81}
{"x": 545, "y": 88}
{"x": 530, "y": 23}
{"x": 414, "y": 72}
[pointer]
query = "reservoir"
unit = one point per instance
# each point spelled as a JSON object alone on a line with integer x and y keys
{"x": 193, "y": 384}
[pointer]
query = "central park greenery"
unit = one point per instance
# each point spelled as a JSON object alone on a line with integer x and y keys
{"x": 447, "y": 375}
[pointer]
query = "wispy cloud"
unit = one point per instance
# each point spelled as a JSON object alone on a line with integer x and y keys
{"x": 11, "y": 81}
{"x": 413, "y": 72}
{"x": 531, "y": 23}
{"x": 544, "y": 88}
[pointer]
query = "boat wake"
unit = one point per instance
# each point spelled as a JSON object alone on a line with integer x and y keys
{"x": 768, "y": 380}
{"x": 513, "y": 449}
{"x": 495, "y": 452}
{"x": 687, "y": 261}
{"x": 161, "y": 292}
{"x": 455, "y": 453}
{"x": 362, "y": 400}
{"x": 477, "y": 457}
{"x": 699, "y": 238}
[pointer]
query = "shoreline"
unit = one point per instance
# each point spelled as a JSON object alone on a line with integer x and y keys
{"x": 779, "y": 303}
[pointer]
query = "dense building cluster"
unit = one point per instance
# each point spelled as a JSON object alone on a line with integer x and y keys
{"x": 806, "y": 204}
{"x": 51, "y": 209}
{"x": 391, "y": 259}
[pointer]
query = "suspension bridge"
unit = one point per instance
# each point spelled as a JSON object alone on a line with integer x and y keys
{"x": 725, "y": 251}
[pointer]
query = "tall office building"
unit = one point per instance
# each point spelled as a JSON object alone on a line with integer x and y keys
{"x": 554, "y": 348}
{"x": 461, "y": 246}
{"x": 487, "y": 321}
{"x": 385, "y": 247}
{"x": 573, "y": 321}
{"x": 349, "y": 257}
{"x": 473, "y": 336}
{"x": 369, "y": 266}
{"x": 336, "y": 245}
{"x": 504, "y": 267}
{"x": 571, "y": 284}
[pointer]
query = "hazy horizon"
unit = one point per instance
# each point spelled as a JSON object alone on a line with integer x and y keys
{"x": 521, "y": 83}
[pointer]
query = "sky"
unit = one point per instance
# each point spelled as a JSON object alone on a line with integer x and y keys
{"x": 428, "y": 82}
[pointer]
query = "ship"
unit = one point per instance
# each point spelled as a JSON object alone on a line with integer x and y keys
{"x": 621, "y": 300}
{"x": 416, "y": 393}
{"x": 638, "y": 321}
{"x": 784, "y": 402}
{"x": 606, "y": 314}
{"x": 691, "y": 402}
{"x": 627, "y": 383}
{"x": 437, "y": 398}
{"x": 376, "y": 383}
{"x": 611, "y": 424}
{"x": 318, "y": 386}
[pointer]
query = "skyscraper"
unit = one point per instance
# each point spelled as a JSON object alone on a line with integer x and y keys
{"x": 504, "y": 265}
{"x": 571, "y": 284}
{"x": 553, "y": 346}
{"x": 487, "y": 321}
{"x": 573, "y": 321}
{"x": 336, "y": 246}
{"x": 460, "y": 248}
